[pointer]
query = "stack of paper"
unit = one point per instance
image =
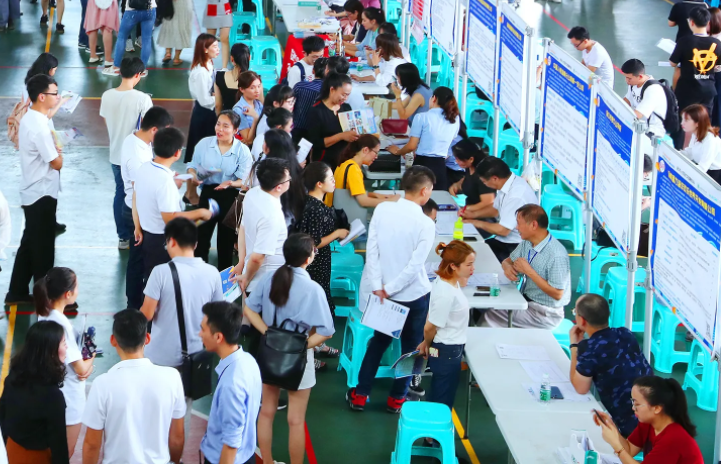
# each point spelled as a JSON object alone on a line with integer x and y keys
{"x": 231, "y": 290}
{"x": 446, "y": 222}
{"x": 356, "y": 230}
{"x": 529, "y": 353}
{"x": 304, "y": 148}
{"x": 70, "y": 105}
{"x": 486, "y": 279}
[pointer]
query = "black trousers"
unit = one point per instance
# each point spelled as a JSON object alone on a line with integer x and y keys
{"x": 226, "y": 235}
{"x": 715, "y": 175}
{"x": 249, "y": 461}
{"x": 437, "y": 164}
{"x": 154, "y": 253}
{"x": 36, "y": 254}
{"x": 134, "y": 269}
{"x": 502, "y": 250}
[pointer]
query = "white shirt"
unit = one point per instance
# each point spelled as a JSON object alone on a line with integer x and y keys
{"x": 259, "y": 140}
{"x": 707, "y": 153}
{"x": 388, "y": 70}
{"x": 405, "y": 53}
{"x": 155, "y": 193}
{"x": 134, "y": 404}
{"x": 265, "y": 231}
{"x": 515, "y": 193}
{"x": 294, "y": 73}
{"x": 653, "y": 106}
{"x": 599, "y": 58}
{"x": 123, "y": 111}
{"x": 400, "y": 237}
{"x": 199, "y": 284}
{"x": 449, "y": 311}
{"x": 356, "y": 100}
{"x": 135, "y": 152}
{"x": 37, "y": 150}
{"x": 200, "y": 84}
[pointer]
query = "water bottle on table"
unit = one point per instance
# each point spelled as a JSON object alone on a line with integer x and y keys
{"x": 545, "y": 389}
{"x": 458, "y": 229}
{"x": 495, "y": 285}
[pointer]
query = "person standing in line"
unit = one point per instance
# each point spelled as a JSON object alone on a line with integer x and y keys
{"x": 647, "y": 99}
{"x": 306, "y": 94}
{"x": 219, "y": 15}
{"x": 131, "y": 17}
{"x": 226, "y": 82}
{"x": 175, "y": 33}
{"x": 135, "y": 410}
{"x": 9, "y": 13}
{"x": 40, "y": 164}
{"x": 595, "y": 56}
{"x": 123, "y": 109}
{"x": 279, "y": 96}
{"x": 679, "y": 14}
{"x": 339, "y": 64}
{"x": 395, "y": 269}
{"x": 59, "y": 6}
{"x": 249, "y": 106}
{"x": 231, "y": 433}
{"x": 101, "y": 16}
{"x": 201, "y": 84}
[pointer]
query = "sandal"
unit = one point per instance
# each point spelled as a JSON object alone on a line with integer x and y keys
{"x": 177, "y": 63}
{"x": 320, "y": 366}
{"x": 167, "y": 58}
{"x": 330, "y": 352}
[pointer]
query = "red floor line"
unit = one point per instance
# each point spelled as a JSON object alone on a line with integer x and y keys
{"x": 309, "y": 451}
{"x": 96, "y": 67}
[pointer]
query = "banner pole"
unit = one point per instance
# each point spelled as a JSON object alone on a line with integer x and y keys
{"x": 648, "y": 310}
{"x": 457, "y": 56}
{"x": 528, "y": 135}
{"x": 402, "y": 32}
{"x": 640, "y": 128}
{"x": 429, "y": 59}
{"x": 588, "y": 197}
{"x": 717, "y": 439}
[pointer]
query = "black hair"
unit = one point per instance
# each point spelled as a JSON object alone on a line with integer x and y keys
{"x": 129, "y": 329}
{"x": 279, "y": 117}
{"x": 130, "y": 66}
{"x": 156, "y": 116}
{"x": 168, "y": 141}
{"x": 354, "y": 6}
{"x": 633, "y": 66}
{"x": 594, "y": 308}
{"x": 271, "y": 172}
{"x": 38, "y": 361}
{"x": 462, "y": 129}
{"x": 277, "y": 94}
{"x": 700, "y": 16}
{"x": 668, "y": 394}
{"x": 240, "y": 53}
{"x": 338, "y": 64}
{"x": 647, "y": 164}
{"x": 183, "y": 230}
{"x": 375, "y": 14}
{"x": 579, "y": 33}
{"x": 493, "y": 167}
{"x": 315, "y": 172}
{"x": 319, "y": 67}
{"x": 280, "y": 145}
{"x": 447, "y": 101}
{"x": 313, "y": 44}
{"x": 387, "y": 28}
{"x": 466, "y": 149}
{"x": 296, "y": 250}
{"x": 532, "y": 212}
{"x": 232, "y": 116}
{"x": 42, "y": 65}
{"x": 369, "y": 141}
{"x": 409, "y": 79}
{"x": 417, "y": 177}
{"x": 57, "y": 282}
{"x": 429, "y": 207}
{"x": 39, "y": 84}
{"x": 226, "y": 318}
{"x": 333, "y": 81}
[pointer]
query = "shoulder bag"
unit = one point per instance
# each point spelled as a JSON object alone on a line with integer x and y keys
{"x": 282, "y": 356}
{"x": 197, "y": 367}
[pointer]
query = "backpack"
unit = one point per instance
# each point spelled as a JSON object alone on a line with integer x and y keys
{"x": 672, "y": 123}
{"x": 13, "y": 121}
{"x": 302, "y": 73}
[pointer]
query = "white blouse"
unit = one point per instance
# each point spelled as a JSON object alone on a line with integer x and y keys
{"x": 449, "y": 311}
{"x": 706, "y": 154}
{"x": 388, "y": 70}
{"x": 200, "y": 83}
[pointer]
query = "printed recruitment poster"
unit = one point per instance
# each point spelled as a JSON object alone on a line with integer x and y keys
{"x": 443, "y": 24}
{"x": 418, "y": 16}
{"x": 565, "y": 125}
{"x": 612, "y": 176}
{"x": 685, "y": 243}
{"x": 511, "y": 75}
{"x": 482, "y": 30}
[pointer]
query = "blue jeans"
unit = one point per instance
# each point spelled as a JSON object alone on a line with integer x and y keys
{"x": 9, "y": 9}
{"x": 82, "y": 35}
{"x": 411, "y": 337}
{"x": 146, "y": 19}
{"x": 446, "y": 370}
{"x": 135, "y": 268}
{"x": 125, "y": 232}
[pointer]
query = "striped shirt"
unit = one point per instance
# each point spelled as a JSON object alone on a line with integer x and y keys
{"x": 306, "y": 94}
{"x": 550, "y": 260}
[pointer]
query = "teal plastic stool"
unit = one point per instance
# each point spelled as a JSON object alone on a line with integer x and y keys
{"x": 268, "y": 74}
{"x": 474, "y": 105}
{"x": 548, "y": 175}
{"x": 663, "y": 340}
{"x": 346, "y": 270}
{"x": 510, "y": 150}
{"x": 355, "y": 345}
{"x": 488, "y": 133}
{"x": 424, "y": 419}
{"x": 446, "y": 74}
{"x": 335, "y": 247}
{"x": 560, "y": 333}
{"x": 346, "y": 289}
{"x": 573, "y": 230}
{"x": 265, "y": 50}
{"x": 602, "y": 259}
{"x": 419, "y": 56}
{"x": 706, "y": 386}
{"x": 240, "y": 19}
{"x": 260, "y": 17}
{"x": 614, "y": 290}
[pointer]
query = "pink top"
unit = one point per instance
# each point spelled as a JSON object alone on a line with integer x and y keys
{"x": 371, "y": 3}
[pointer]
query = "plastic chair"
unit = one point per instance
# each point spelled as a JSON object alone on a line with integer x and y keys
{"x": 335, "y": 247}
{"x": 663, "y": 340}
{"x": 706, "y": 386}
{"x": 560, "y": 333}
{"x": 602, "y": 259}
{"x": 419, "y": 56}
{"x": 614, "y": 290}
{"x": 561, "y": 228}
{"x": 240, "y": 19}
{"x": 268, "y": 74}
{"x": 474, "y": 105}
{"x": 265, "y": 50}
{"x": 488, "y": 135}
{"x": 346, "y": 270}
{"x": 424, "y": 419}
{"x": 260, "y": 17}
{"x": 510, "y": 150}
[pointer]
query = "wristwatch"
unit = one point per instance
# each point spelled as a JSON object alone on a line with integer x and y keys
{"x": 573, "y": 345}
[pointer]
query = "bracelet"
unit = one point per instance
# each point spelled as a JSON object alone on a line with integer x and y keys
{"x": 618, "y": 453}
{"x": 573, "y": 345}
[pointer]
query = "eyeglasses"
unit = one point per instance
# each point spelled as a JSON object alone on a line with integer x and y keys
{"x": 287, "y": 180}
{"x": 50, "y": 93}
{"x": 635, "y": 405}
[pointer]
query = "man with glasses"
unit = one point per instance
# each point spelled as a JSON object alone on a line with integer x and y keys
{"x": 40, "y": 164}
{"x": 610, "y": 358}
{"x": 595, "y": 56}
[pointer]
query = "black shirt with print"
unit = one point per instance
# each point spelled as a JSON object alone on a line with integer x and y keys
{"x": 679, "y": 14}
{"x": 697, "y": 56}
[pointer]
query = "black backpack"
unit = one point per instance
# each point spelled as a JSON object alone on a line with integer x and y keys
{"x": 672, "y": 123}
{"x": 302, "y": 73}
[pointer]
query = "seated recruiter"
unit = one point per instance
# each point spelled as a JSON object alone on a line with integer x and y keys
{"x": 432, "y": 135}
{"x": 609, "y": 358}
{"x": 418, "y": 93}
{"x": 389, "y": 28}
{"x": 665, "y": 432}
{"x": 371, "y": 19}
{"x": 384, "y": 60}
{"x": 512, "y": 192}
{"x": 349, "y": 175}
{"x": 542, "y": 264}
{"x": 352, "y": 11}
{"x": 478, "y": 196}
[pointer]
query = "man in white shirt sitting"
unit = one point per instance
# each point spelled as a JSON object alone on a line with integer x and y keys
{"x": 40, "y": 164}
{"x": 134, "y": 411}
{"x": 400, "y": 237}
{"x": 595, "y": 56}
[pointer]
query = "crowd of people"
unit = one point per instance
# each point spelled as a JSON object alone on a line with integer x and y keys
{"x": 280, "y": 211}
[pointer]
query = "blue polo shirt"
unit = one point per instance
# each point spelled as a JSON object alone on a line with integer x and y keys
{"x": 434, "y": 132}
{"x": 246, "y": 122}
{"x": 614, "y": 360}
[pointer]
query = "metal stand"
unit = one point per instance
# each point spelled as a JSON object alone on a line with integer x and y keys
{"x": 529, "y": 129}
{"x": 587, "y": 201}
{"x": 429, "y": 58}
{"x": 648, "y": 310}
{"x": 468, "y": 402}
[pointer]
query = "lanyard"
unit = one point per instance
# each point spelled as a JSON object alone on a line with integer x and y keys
{"x": 536, "y": 253}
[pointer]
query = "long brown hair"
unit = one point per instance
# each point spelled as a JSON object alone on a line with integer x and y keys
{"x": 389, "y": 46}
{"x": 200, "y": 54}
{"x": 454, "y": 253}
{"x": 698, "y": 114}
{"x": 447, "y": 101}
{"x": 368, "y": 141}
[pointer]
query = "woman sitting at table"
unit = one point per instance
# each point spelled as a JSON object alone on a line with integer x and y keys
{"x": 279, "y": 96}
{"x": 353, "y": 13}
{"x": 221, "y": 164}
{"x": 418, "y": 93}
{"x": 385, "y": 59}
{"x": 478, "y": 196}
{"x": 432, "y": 134}
{"x": 664, "y": 433}
{"x": 371, "y": 19}
{"x": 250, "y": 105}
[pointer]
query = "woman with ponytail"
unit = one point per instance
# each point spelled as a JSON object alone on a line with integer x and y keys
{"x": 432, "y": 133}
{"x": 664, "y": 433}
{"x": 52, "y": 293}
{"x": 290, "y": 295}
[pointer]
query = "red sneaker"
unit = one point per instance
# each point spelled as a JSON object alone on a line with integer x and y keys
{"x": 356, "y": 402}
{"x": 394, "y": 405}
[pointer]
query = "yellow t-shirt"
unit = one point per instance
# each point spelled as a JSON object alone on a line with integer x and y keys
{"x": 355, "y": 180}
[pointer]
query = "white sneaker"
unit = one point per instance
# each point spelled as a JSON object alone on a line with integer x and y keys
{"x": 108, "y": 64}
{"x": 111, "y": 71}
{"x": 139, "y": 43}
{"x": 129, "y": 45}
{"x": 97, "y": 59}
{"x": 123, "y": 244}
{"x": 144, "y": 73}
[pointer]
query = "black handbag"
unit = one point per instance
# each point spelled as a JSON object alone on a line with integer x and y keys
{"x": 282, "y": 356}
{"x": 386, "y": 163}
{"x": 139, "y": 4}
{"x": 197, "y": 367}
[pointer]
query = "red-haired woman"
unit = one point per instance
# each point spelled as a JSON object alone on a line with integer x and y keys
{"x": 705, "y": 146}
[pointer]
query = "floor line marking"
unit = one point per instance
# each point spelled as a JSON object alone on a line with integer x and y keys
{"x": 466, "y": 442}
{"x": 14, "y": 97}
{"x": 267, "y": 21}
{"x": 309, "y": 451}
{"x": 8, "y": 346}
{"x": 50, "y": 30}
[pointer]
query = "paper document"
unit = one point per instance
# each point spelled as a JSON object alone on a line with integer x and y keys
{"x": 70, "y": 105}
{"x": 535, "y": 371}
{"x": 184, "y": 176}
{"x": 431, "y": 269}
{"x": 566, "y": 388}
{"x": 486, "y": 279}
{"x": 304, "y": 148}
{"x": 363, "y": 121}
{"x": 664, "y": 64}
{"x": 446, "y": 222}
{"x": 387, "y": 317}
{"x": 205, "y": 173}
{"x": 356, "y": 230}
{"x": 231, "y": 290}
{"x": 525, "y": 352}
{"x": 62, "y": 138}
{"x": 409, "y": 364}
{"x": 666, "y": 45}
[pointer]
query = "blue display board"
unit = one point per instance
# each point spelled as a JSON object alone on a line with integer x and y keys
{"x": 481, "y": 50}
{"x": 512, "y": 76}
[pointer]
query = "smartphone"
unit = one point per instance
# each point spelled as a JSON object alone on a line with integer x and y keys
{"x": 556, "y": 394}
{"x": 600, "y": 417}
{"x": 470, "y": 239}
{"x": 483, "y": 288}
{"x": 482, "y": 294}
{"x": 447, "y": 207}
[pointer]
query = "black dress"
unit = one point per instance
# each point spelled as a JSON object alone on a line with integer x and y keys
{"x": 228, "y": 96}
{"x": 319, "y": 221}
{"x": 472, "y": 187}
{"x": 322, "y": 123}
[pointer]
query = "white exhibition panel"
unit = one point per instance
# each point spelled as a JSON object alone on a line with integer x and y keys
{"x": 419, "y": 19}
{"x": 482, "y": 36}
{"x": 443, "y": 24}
{"x": 565, "y": 127}
{"x": 512, "y": 77}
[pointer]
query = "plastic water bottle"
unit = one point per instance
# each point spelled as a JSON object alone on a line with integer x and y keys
{"x": 546, "y": 389}
{"x": 458, "y": 229}
{"x": 495, "y": 286}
